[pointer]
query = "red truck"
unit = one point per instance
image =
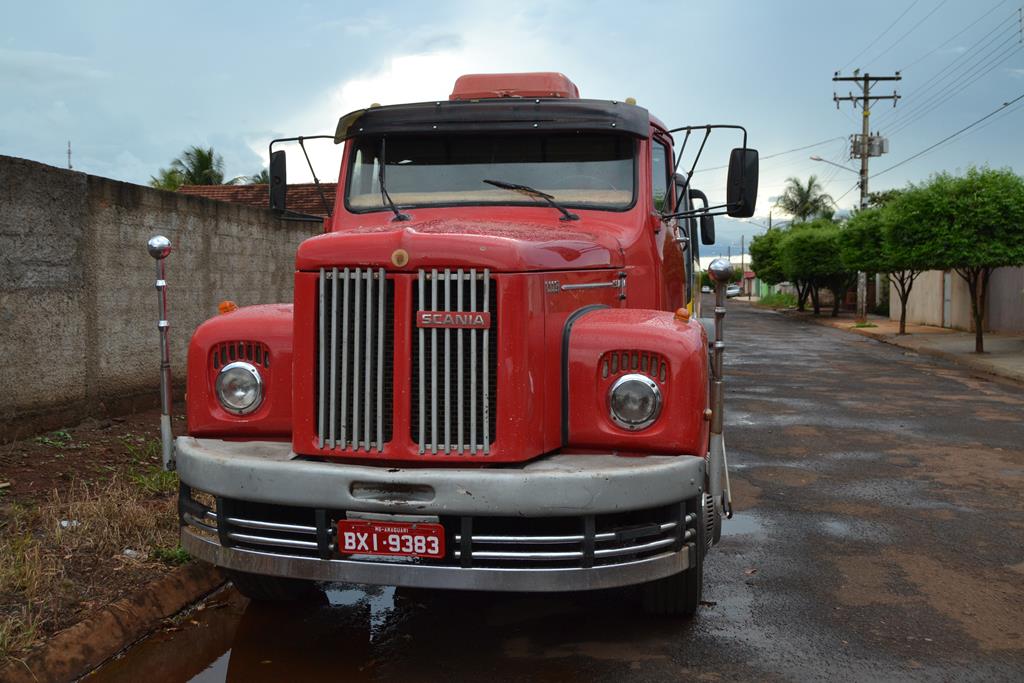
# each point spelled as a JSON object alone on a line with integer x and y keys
{"x": 492, "y": 376}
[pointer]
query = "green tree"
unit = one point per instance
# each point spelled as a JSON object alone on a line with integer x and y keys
{"x": 166, "y": 179}
{"x": 804, "y": 202}
{"x": 261, "y": 178}
{"x": 196, "y": 166}
{"x": 810, "y": 253}
{"x": 863, "y": 246}
{"x": 972, "y": 224}
{"x": 765, "y": 257}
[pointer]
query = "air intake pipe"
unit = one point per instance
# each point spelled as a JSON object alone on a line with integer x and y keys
{"x": 720, "y": 271}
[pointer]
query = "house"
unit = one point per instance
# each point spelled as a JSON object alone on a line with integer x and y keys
{"x": 303, "y": 198}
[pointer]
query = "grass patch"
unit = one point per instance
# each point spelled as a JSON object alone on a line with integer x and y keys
{"x": 58, "y": 439}
{"x": 173, "y": 556}
{"x": 155, "y": 481}
{"x": 778, "y": 300}
{"x": 67, "y": 552}
{"x": 858, "y": 325}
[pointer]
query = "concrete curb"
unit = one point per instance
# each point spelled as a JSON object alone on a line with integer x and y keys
{"x": 79, "y": 649}
{"x": 976, "y": 366}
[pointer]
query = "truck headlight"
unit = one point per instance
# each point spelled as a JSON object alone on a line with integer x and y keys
{"x": 239, "y": 388}
{"x": 634, "y": 401}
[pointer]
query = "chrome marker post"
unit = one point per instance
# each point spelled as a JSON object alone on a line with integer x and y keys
{"x": 159, "y": 248}
{"x": 720, "y": 271}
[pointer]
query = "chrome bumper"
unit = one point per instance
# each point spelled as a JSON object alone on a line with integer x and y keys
{"x": 560, "y": 523}
{"x": 423, "y": 576}
{"x": 556, "y": 485}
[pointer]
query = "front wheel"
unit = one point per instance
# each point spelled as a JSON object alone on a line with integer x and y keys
{"x": 263, "y": 588}
{"x": 679, "y": 594}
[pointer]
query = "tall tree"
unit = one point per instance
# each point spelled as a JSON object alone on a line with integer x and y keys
{"x": 804, "y": 202}
{"x": 810, "y": 253}
{"x": 261, "y": 178}
{"x": 971, "y": 224}
{"x": 196, "y": 166}
{"x": 166, "y": 179}
{"x": 863, "y": 247}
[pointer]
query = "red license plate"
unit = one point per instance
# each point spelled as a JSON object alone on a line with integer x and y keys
{"x": 401, "y": 539}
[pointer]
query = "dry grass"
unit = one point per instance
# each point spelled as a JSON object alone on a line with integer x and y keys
{"x": 68, "y": 552}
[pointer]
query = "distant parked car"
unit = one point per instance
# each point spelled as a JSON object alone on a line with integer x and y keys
{"x": 733, "y": 290}
{"x": 706, "y": 289}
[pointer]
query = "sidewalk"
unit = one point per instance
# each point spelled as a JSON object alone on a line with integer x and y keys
{"x": 1003, "y": 357}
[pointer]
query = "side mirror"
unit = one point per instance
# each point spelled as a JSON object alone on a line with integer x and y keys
{"x": 680, "y": 181}
{"x": 278, "y": 180}
{"x": 707, "y": 223}
{"x": 741, "y": 195}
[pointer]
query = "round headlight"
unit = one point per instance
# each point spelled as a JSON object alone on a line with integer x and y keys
{"x": 239, "y": 388}
{"x": 634, "y": 401}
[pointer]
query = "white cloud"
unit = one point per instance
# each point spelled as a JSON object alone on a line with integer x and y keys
{"x": 45, "y": 69}
{"x": 426, "y": 72}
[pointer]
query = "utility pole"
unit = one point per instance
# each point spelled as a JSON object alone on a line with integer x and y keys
{"x": 865, "y": 146}
{"x": 69, "y": 155}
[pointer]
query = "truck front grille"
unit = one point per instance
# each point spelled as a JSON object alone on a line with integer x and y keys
{"x": 355, "y": 359}
{"x": 454, "y": 370}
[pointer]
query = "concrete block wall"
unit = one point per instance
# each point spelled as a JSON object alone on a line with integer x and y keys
{"x": 77, "y": 300}
{"x": 925, "y": 305}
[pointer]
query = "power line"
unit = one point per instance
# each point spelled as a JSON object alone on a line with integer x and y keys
{"x": 779, "y": 154}
{"x": 912, "y": 29}
{"x": 950, "y": 137}
{"x": 855, "y": 186}
{"x": 965, "y": 59}
{"x": 953, "y": 37}
{"x": 881, "y": 35}
{"x": 958, "y": 86}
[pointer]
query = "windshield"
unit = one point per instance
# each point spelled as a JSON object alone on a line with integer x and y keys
{"x": 584, "y": 170}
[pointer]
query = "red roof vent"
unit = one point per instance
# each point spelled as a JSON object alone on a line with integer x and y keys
{"x": 537, "y": 84}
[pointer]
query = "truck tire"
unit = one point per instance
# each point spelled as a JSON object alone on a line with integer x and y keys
{"x": 678, "y": 595}
{"x": 271, "y": 588}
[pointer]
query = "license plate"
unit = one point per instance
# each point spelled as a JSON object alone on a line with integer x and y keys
{"x": 399, "y": 539}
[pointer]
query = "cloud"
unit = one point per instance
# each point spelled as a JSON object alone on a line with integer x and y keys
{"x": 424, "y": 71}
{"x": 1016, "y": 73}
{"x": 45, "y": 69}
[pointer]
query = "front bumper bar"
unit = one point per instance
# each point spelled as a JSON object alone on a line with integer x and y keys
{"x": 609, "y": 496}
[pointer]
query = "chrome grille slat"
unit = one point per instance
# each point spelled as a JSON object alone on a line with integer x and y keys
{"x": 460, "y": 370}
{"x": 354, "y": 392}
{"x": 433, "y": 366}
{"x": 448, "y": 364}
{"x": 382, "y": 292}
{"x": 422, "y": 373}
{"x": 472, "y": 368}
{"x": 356, "y": 370}
{"x": 323, "y": 366}
{"x": 485, "y": 399}
{"x": 368, "y": 370}
{"x": 272, "y": 526}
{"x": 266, "y": 540}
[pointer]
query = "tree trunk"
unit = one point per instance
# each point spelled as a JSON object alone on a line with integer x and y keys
{"x": 801, "y": 296}
{"x": 835, "y": 304}
{"x": 815, "y": 300}
{"x": 903, "y": 281}
{"x": 973, "y": 276}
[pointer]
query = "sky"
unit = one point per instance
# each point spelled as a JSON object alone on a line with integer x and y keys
{"x": 133, "y": 84}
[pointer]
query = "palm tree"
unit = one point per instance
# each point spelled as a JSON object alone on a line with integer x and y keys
{"x": 166, "y": 179}
{"x": 805, "y": 201}
{"x": 196, "y": 166}
{"x": 261, "y": 178}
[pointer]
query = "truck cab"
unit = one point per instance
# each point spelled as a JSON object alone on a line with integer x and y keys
{"x": 492, "y": 376}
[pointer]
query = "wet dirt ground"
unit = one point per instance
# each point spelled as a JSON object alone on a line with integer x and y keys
{"x": 879, "y": 536}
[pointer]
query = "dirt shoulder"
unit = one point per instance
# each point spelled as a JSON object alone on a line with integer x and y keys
{"x": 87, "y": 517}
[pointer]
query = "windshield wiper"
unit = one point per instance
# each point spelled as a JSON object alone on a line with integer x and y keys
{"x": 531, "y": 192}
{"x": 384, "y": 195}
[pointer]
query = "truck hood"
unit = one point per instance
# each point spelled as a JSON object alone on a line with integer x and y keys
{"x": 453, "y": 243}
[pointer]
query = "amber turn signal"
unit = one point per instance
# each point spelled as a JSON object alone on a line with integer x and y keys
{"x": 227, "y": 306}
{"x": 682, "y": 314}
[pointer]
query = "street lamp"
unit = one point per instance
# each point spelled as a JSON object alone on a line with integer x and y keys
{"x": 847, "y": 168}
{"x": 862, "y": 277}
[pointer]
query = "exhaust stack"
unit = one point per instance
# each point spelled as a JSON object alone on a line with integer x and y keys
{"x": 720, "y": 271}
{"x": 159, "y": 248}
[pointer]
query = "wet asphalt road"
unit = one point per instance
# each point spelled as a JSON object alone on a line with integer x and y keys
{"x": 879, "y": 536}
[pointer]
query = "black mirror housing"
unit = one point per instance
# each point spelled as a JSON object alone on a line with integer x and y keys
{"x": 741, "y": 193}
{"x": 707, "y": 229}
{"x": 278, "y": 180}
